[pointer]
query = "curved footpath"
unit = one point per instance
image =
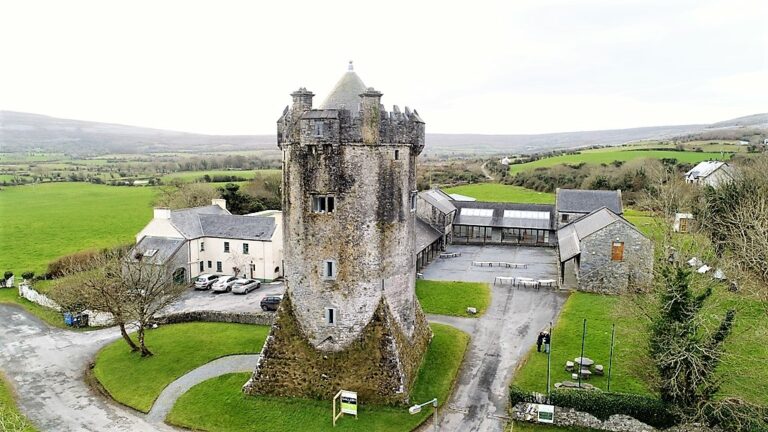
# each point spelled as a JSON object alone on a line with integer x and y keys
{"x": 224, "y": 365}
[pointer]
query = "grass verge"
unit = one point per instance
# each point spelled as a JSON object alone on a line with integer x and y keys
{"x": 452, "y": 297}
{"x": 178, "y": 348}
{"x": 496, "y": 192}
{"x": 11, "y": 419}
{"x": 219, "y": 404}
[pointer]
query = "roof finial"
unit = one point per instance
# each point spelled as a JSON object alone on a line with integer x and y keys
{"x": 350, "y": 67}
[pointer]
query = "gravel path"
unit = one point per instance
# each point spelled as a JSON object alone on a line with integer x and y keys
{"x": 164, "y": 403}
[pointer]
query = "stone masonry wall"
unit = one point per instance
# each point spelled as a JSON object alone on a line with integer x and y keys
{"x": 380, "y": 365}
{"x": 598, "y": 273}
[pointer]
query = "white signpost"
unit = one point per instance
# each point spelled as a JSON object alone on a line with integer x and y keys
{"x": 348, "y": 404}
{"x": 546, "y": 413}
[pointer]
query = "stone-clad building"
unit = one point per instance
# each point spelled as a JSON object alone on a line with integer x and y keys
{"x": 606, "y": 253}
{"x": 350, "y": 318}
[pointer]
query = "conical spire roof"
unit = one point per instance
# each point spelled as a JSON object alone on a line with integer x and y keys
{"x": 346, "y": 92}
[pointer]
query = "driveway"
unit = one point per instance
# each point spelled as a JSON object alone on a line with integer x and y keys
{"x": 46, "y": 367}
{"x": 502, "y": 336}
{"x": 193, "y": 300}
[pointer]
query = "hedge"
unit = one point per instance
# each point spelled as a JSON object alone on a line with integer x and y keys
{"x": 602, "y": 405}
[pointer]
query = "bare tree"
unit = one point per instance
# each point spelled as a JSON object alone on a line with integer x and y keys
{"x": 152, "y": 289}
{"x": 97, "y": 284}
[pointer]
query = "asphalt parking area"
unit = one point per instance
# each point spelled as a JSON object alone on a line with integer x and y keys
{"x": 207, "y": 300}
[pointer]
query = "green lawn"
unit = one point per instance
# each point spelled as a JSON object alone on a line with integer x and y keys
{"x": 11, "y": 419}
{"x": 630, "y": 365}
{"x": 632, "y": 370}
{"x": 453, "y": 298}
{"x": 219, "y": 404}
{"x": 599, "y": 156}
{"x": 190, "y": 176}
{"x": 178, "y": 348}
{"x": 45, "y": 221}
{"x": 496, "y": 192}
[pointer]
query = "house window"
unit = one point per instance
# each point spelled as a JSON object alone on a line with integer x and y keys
{"x": 329, "y": 270}
{"x": 202, "y": 246}
{"x": 218, "y": 266}
{"x": 319, "y": 128}
{"x": 245, "y": 248}
{"x": 210, "y": 264}
{"x": 226, "y": 247}
{"x": 617, "y": 251}
{"x": 564, "y": 218}
{"x": 202, "y": 266}
{"x": 323, "y": 203}
{"x": 330, "y": 316}
{"x": 414, "y": 196}
{"x": 397, "y": 154}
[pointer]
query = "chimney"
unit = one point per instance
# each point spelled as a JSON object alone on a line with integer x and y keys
{"x": 371, "y": 115}
{"x": 162, "y": 213}
{"x": 220, "y": 202}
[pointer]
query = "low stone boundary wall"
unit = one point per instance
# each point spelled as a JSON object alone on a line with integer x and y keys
{"x": 569, "y": 417}
{"x": 261, "y": 318}
{"x": 95, "y": 318}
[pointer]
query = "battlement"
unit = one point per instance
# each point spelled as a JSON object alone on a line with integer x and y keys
{"x": 369, "y": 124}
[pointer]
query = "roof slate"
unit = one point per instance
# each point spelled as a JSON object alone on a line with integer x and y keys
{"x": 704, "y": 169}
{"x": 165, "y": 247}
{"x": 587, "y": 201}
{"x": 346, "y": 93}
{"x": 439, "y": 200}
{"x": 213, "y": 221}
{"x": 425, "y": 235}
{"x": 498, "y": 220}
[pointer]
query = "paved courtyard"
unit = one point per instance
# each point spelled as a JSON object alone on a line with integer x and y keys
{"x": 502, "y": 336}
{"x": 208, "y": 300}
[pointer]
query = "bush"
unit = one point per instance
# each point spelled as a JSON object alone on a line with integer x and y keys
{"x": 517, "y": 395}
{"x": 71, "y": 263}
{"x": 602, "y": 405}
{"x": 28, "y": 275}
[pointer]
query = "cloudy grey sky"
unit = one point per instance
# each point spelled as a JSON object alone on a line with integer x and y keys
{"x": 522, "y": 66}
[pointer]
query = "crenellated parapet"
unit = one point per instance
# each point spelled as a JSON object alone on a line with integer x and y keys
{"x": 371, "y": 124}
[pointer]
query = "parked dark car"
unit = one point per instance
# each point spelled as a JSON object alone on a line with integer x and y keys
{"x": 270, "y": 303}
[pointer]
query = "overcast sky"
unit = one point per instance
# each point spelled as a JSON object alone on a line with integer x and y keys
{"x": 515, "y": 66}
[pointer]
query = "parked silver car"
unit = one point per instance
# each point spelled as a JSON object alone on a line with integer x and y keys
{"x": 204, "y": 281}
{"x": 224, "y": 284}
{"x": 244, "y": 286}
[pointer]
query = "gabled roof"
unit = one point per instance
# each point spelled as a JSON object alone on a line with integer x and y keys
{"x": 704, "y": 169}
{"x": 439, "y": 200}
{"x": 157, "y": 250}
{"x": 425, "y": 234}
{"x": 569, "y": 237}
{"x": 459, "y": 197}
{"x": 213, "y": 221}
{"x": 587, "y": 201}
{"x": 346, "y": 93}
{"x": 498, "y": 218}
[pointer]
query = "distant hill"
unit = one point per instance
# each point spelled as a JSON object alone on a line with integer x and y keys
{"x": 22, "y": 132}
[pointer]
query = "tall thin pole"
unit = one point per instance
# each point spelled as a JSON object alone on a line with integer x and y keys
{"x": 549, "y": 362}
{"x": 610, "y": 359}
{"x": 581, "y": 359}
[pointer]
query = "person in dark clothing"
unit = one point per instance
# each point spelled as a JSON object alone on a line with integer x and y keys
{"x": 546, "y": 342}
{"x": 539, "y": 341}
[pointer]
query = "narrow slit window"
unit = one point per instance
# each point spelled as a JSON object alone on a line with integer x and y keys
{"x": 319, "y": 129}
{"x": 397, "y": 154}
{"x": 330, "y": 316}
{"x": 202, "y": 246}
{"x": 414, "y": 196}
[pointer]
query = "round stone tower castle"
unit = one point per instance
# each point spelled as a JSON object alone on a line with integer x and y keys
{"x": 350, "y": 318}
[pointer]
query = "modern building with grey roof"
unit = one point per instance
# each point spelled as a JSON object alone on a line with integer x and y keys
{"x": 572, "y": 204}
{"x": 209, "y": 239}
{"x": 478, "y": 222}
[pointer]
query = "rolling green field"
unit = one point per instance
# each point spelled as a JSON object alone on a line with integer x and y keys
{"x": 11, "y": 419}
{"x": 220, "y": 405}
{"x": 178, "y": 348}
{"x": 45, "y": 221}
{"x": 496, "y": 192}
{"x": 453, "y": 298}
{"x": 190, "y": 176}
{"x": 600, "y": 156}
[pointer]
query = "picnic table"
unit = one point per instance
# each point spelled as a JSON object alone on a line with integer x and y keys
{"x": 524, "y": 281}
{"x": 450, "y": 254}
{"x": 584, "y": 361}
{"x": 548, "y": 282}
{"x": 498, "y": 264}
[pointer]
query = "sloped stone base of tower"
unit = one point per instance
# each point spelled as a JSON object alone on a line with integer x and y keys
{"x": 381, "y": 366}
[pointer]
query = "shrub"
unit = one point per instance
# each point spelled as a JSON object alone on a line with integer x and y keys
{"x": 28, "y": 275}
{"x": 71, "y": 263}
{"x": 602, "y": 405}
{"x": 517, "y": 395}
